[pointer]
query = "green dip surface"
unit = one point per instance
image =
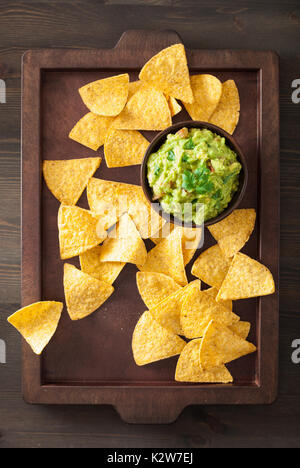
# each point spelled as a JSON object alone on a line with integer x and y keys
{"x": 193, "y": 167}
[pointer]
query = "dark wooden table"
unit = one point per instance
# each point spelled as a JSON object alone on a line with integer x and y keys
{"x": 215, "y": 24}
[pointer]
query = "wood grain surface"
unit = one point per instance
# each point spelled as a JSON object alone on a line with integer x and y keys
{"x": 91, "y": 24}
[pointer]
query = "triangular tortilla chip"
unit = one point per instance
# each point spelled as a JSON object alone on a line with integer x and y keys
{"x": 124, "y": 244}
{"x": 167, "y": 312}
{"x": 91, "y": 130}
{"x": 155, "y": 287}
{"x": 134, "y": 86}
{"x": 191, "y": 238}
{"x": 198, "y": 310}
{"x": 174, "y": 107}
{"x": 151, "y": 342}
{"x": 105, "y": 271}
{"x": 213, "y": 292}
{"x": 211, "y": 266}
{"x": 220, "y": 345}
{"x": 188, "y": 367}
{"x": 207, "y": 90}
{"x": 77, "y": 231}
{"x": 167, "y": 258}
{"x": 124, "y": 148}
{"x": 242, "y": 329}
{"x": 67, "y": 179}
{"x": 168, "y": 71}
{"x": 37, "y": 323}
{"x": 227, "y": 112}
{"x": 147, "y": 109}
{"x": 107, "y": 96}
{"x": 246, "y": 278}
{"x": 233, "y": 232}
{"x": 83, "y": 293}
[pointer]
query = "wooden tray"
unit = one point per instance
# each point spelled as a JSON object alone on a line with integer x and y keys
{"x": 90, "y": 361}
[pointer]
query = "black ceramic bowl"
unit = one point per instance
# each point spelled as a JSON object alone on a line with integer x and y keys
{"x": 230, "y": 141}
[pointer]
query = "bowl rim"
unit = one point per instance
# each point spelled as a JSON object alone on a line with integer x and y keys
{"x": 230, "y": 140}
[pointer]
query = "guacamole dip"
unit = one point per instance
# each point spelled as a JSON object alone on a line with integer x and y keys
{"x": 193, "y": 167}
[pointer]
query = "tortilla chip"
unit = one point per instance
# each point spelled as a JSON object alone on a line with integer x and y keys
{"x": 105, "y": 271}
{"x": 77, "y": 231}
{"x": 246, "y": 278}
{"x": 211, "y": 266}
{"x": 67, "y": 179}
{"x": 167, "y": 258}
{"x": 227, "y": 113}
{"x": 91, "y": 130}
{"x": 37, "y": 323}
{"x": 167, "y": 312}
{"x": 124, "y": 148}
{"x": 107, "y": 96}
{"x": 155, "y": 287}
{"x": 147, "y": 109}
{"x": 124, "y": 244}
{"x": 233, "y": 232}
{"x": 174, "y": 107}
{"x": 207, "y": 90}
{"x": 83, "y": 293}
{"x": 198, "y": 309}
{"x": 168, "y": 71}
{"x": 151, "y": 342}
{"x": 213, "y": 292}
{"x": 188, "y": 367}
{"x": 220, "y": 345}
{"x": 242, "y": 329}
{"x": 134, "y": 86}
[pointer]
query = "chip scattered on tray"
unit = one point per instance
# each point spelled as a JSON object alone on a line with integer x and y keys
{"x": 188, "y": 367}
{"x": 67, "y": 179}
{"x": 155, "y": 287}
{"x": 246, "y": 278}
{"x": 147, "y": 109}
{"x": 227, "y": 112}
{"x": 151, "y": 342}
{"x": 198, "y": 309}
{"x": 168, "y": 71}
{"x": 107, "y": 96}
{"x": 37, "y": 323}
{"x": 124, "y": 148}
{"x": 233, "y": 232}
{"x": 106, "y": 271}
{"x": 220, "y": 345}
{"x": 242, "y": 329}
{"x": 77, "y": 231}
{"x": 167, "y": 258}
{"x": 207, "y": 90}
{"x": 174, "y": 107}
{"x": 83, "y": 293}
{"x": 191, "y": 238}
{"x": 91, "y": 130}
{"x": 124, "y": 244}
{"x": 211, "y": 266}
{"x": 213, "y": 292}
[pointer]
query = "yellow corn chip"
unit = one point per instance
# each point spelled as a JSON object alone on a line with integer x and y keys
{"x": 134, "y": 86}
{"x": 241, "y": 329}
{"x": 124, "y": 148}
{"x": 77, "y": 231}
{"x": 167, "y": 258}
{"x": 188, "y": 367}
{"x": 213, "y": 292}
{"x": 199, "y": 309}
{"x": 167, "y": 312}
{"x": 83, "y": 293}
{"x": 147, "y": 109}
{"x": 207, "y": 90}
{"x": 155, "y": 287}
{"x": 174, "y": 107}
{"x": 168, "y": 71}
{"x": 105, "y": 271}
{"x": 91, "y": 130}
{"x": 246, "y": 278}
{"x": 67, "y": 179}
{"x": 211, "y": 266}
{"x": 37, "y": 323}
{"x": 220, "y": 345}
{"x": 233, "y": 232}
{"x": 106, "y": 97}
{"x": 124, "y": 244}
{"x": 151, "y": 342}
{"x": 227, "y": 112}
